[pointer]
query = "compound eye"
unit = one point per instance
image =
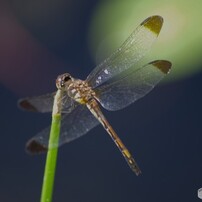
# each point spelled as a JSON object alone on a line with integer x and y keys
{"x": 67, "y": 78}
{"x": 62, "y": 80}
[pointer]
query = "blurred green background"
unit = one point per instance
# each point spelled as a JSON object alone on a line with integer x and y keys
{"x": 179, "y": 41}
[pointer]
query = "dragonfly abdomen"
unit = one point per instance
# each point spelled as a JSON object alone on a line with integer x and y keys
{"x": 95, "y": 110}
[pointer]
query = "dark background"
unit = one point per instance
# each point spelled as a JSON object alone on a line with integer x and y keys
{"x": 163, "y": 130}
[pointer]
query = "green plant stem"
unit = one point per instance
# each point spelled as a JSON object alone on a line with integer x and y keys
{"x": 51, "y": 159}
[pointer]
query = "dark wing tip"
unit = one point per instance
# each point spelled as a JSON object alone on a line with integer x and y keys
{"x": 26, "y": 105}
{"x": 162, "y": 65}
{"x": 34, "y": 147}
{"x": 153, "y": 23}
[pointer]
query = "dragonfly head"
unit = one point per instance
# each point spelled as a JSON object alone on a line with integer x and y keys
{"x": 62, "y": 80}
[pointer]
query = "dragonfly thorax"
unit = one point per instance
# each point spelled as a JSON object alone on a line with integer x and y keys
{"x": 77, "y": 89}
{"x": 80, "y": 91}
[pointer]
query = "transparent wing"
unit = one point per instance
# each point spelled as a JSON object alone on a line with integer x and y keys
{"x": 132, "y": 50}
{"x": 131, "y": 85}
{"x": 75, "y": 124}
{"x": 44, "y": 103}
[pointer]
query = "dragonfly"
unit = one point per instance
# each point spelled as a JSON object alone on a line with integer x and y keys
{"x": 114, "y": 84}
